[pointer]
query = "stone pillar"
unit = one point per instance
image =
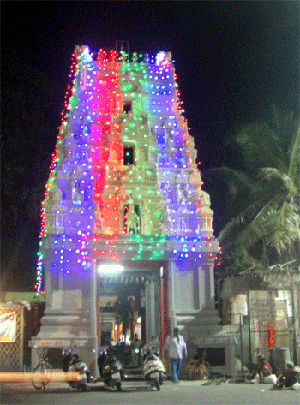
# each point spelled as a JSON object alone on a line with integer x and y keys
{"x": 163, "y": 308}
{"x": 211, "y": 282}
{"x": 197, "y": 288}
{"x": 171, "y": 297}
{"x": 70, "y": 315}
{"x": 143, "y": 329}
{"x": 150, "y": 310}
{"x": 207, "y": 275}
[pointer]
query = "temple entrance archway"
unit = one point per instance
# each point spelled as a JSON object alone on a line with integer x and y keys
{"x": 139, "y": 287}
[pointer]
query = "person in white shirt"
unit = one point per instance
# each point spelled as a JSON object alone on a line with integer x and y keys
{"x": 176, "y": 347}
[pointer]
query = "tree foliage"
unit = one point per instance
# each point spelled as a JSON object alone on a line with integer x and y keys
{"x": 264, "y": 196}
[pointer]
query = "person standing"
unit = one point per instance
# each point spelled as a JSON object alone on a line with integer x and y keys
{"x": 176, "y": 347}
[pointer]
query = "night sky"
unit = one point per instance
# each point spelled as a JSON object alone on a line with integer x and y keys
{"x": 233, "y": 60}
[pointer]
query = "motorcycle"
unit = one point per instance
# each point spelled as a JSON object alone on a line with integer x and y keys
{"x": 153, "y": 368}
{"x": 110, "y": 369}
{"x": 72, "y": 362}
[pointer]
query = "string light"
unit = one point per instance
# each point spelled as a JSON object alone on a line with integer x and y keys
{"x": 96, "y": 196}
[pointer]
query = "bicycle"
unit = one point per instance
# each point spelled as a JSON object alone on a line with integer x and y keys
{"x": 39, "y": 374}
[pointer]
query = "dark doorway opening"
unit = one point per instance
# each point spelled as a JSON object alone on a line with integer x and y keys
{"x": 128, "y": 155}
{"x": 127, "y": 107}
{"x": 215, "y": 355}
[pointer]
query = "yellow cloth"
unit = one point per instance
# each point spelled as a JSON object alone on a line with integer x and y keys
{"x": 197, "y": 370}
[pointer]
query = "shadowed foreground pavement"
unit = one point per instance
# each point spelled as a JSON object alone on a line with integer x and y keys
{"x": 136, "y": 392}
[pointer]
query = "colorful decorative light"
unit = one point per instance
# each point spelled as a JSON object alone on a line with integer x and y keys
{"x": 93, "y": 201}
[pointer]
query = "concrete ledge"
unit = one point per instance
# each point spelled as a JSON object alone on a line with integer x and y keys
{"x": 54, "y": 376}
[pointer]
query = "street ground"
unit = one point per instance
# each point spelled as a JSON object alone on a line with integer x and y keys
{"x": 136, "y": 392}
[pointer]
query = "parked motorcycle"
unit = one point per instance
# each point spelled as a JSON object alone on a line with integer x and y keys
{"x": 72, "y": 362}
{"x": 110, "y": 369}
{"x": 153, "y": 368}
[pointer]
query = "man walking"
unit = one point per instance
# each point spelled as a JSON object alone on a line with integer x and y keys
{"x": 175, "y": 346}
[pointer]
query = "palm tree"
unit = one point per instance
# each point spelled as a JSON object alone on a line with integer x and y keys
{"x": 265, "y": 195}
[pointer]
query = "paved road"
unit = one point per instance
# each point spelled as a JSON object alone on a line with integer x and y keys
{"x": 186, "y": 392}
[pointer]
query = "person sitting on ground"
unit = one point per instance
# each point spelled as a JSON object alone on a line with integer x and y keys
{"x": 289, "y": 377}
{"x": 203, "y": 359}
{"x": 193, "y": 368}
{"x": 263, "y": 368}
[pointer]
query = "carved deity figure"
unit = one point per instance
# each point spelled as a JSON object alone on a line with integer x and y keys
{"x": 100, "y": 219}
{"x": 204, "y": 201}
{"x": 132, "y": 221}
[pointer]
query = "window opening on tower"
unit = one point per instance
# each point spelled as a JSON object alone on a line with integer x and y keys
{"x": 127, "y": 107}
{"x": 128, "y": 155}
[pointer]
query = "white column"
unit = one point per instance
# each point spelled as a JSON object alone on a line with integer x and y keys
{"x": 201, "y": 277}
{"x": 211, "y": 282}
{"x": 171, "y": 296}
{"x": 94, "y": 303}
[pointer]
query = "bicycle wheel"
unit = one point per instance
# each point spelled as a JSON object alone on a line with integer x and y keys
{"x": 40, "y": 376}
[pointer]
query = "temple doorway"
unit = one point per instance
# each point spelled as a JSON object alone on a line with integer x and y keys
{"x": 131, "y": 305}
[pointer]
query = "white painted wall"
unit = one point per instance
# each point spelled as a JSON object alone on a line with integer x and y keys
{"x": 184, "y": 291}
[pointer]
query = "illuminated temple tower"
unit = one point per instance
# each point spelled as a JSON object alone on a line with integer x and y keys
{"x": 124, "y": 193}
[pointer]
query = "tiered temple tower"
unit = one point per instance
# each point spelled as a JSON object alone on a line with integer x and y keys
{"x": 124, "y": 192}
